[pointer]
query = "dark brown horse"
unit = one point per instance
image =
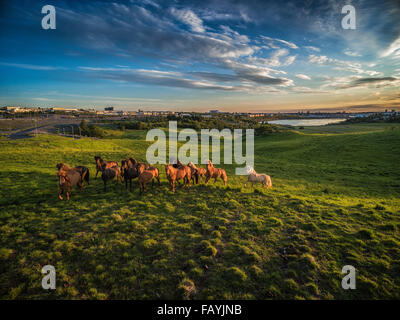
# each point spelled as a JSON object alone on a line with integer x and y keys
{"x": 130, "y": 169}
{"x": 129, "y": 173}
{"x": 215, "y": 173}
{"x": 100, "y": 164}
{"x": 84, "y": 171}
{"x": 110, "y": 173}
{"x": 175, "y": 174}
{"x": 67, "y": 180}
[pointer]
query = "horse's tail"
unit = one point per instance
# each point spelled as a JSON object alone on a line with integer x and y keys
{"x": 269, "y": 181}
{"x": 224, "y": 176}
{"x": 87, "y": 176}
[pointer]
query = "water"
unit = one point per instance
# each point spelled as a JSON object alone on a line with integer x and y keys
{"x": 306, "y": 122}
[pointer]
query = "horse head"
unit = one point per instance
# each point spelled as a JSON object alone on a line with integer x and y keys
{"x": 250, "y": 170}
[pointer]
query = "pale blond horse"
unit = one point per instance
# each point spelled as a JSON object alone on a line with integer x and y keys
{"x": 255, "y": 177}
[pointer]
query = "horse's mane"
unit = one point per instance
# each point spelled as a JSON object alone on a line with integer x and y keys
{"x": 133, "y": 160}
{"x": 63, "y": 166}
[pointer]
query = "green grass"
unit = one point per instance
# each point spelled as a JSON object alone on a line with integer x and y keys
{"x": 334, "y": 201}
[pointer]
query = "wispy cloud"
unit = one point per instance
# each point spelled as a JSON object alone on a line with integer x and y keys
{"x": 273, "y": 42}
{"x": 303, "y": 76}
{"x": 350, "y": 53}
{"x": 188, "y": 17}
{"x": 393, "y": 49}
{"x": 30, "y": 66}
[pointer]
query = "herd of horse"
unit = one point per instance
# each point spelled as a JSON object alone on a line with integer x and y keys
{"x": 131, "y": 169}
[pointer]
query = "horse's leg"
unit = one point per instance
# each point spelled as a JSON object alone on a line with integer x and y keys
{"x": 97, "y": 171}
{"x": 67, "y": 195}
{"x": 173, "y": 185}
{"x": 207, "y": 178}
{"x": 188, "y": 181}
{"x": 158, "y": 179}
{"x": 105, "y": 188}
{"x": 130, "y": 184}
{"x": 60, "y": 193}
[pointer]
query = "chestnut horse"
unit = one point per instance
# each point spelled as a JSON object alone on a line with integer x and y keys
{"x": 175, "y": 174}
{"x": 100, "y": 162}
{"x": 200, "y": 172}
{"x": 147, "y": 175}
{"x": 193, "y": 172}
{"x": 215, "y": 173}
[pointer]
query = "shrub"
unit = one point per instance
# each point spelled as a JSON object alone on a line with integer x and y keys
{"x": 186, "y": 288}
{"x": 235, "y": 275}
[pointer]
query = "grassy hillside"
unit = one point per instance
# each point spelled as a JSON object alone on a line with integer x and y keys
{"x": 334, "y": 201}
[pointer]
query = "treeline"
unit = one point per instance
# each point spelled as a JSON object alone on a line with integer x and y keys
{"x": 198, "y": 122}
{"x": 91, "y": 130}
{"x": 375, "y": 118}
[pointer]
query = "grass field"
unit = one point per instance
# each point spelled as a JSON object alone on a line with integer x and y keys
{"x": 335, "y": 201}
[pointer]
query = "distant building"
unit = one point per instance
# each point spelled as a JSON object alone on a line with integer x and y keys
{"x": 16, "y": 109}
{"x": 214, "y": 111}
{"x": 109, "y": 109}
{"x": 55, "y": 109}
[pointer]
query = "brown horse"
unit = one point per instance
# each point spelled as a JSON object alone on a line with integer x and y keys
{"x": 67, "y": 180}
{"x": 131, "y": 163}
{"x": 215, "y": 173}
{"x": 147, "y": 175}
{"x": 175, "y": 174}
{"x": 84, "y": 171}
{"x": 130, "y": 169}
{"x": 100, "y": 162}
{"x": 200, "y": 172}
{"x": 110, "y": 173}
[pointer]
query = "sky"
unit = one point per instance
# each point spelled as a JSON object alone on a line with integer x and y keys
{"x": 239, "y": 56}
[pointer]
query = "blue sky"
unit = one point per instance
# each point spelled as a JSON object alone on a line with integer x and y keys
{"x": 201, "y": 55}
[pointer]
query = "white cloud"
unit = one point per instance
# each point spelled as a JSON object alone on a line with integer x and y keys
{"x": 272, "y": 42}
{"x": 311, "y": 48}
{"x": 394, "y": 48}
{"x": 348, "y": 66}
{"x": 188, "y": 17}
{"x": 303, "y": 76}
{"x": 350, "y": 53}
{"x": 318, "y": 59}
